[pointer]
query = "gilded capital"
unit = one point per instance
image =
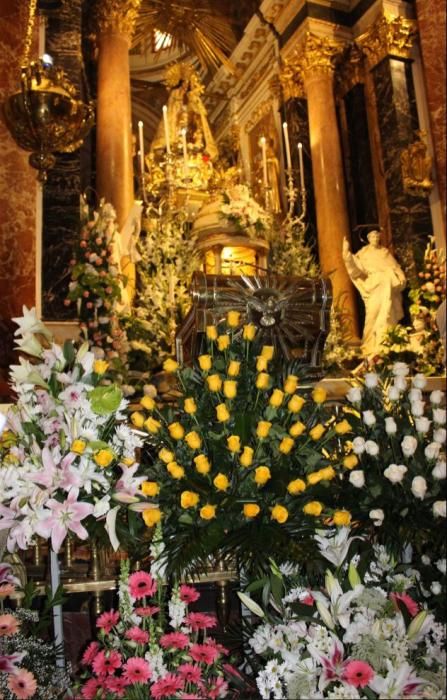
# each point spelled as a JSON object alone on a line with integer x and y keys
{"x": 116, "y": 17}
{"x": 388, "y": 36}
{"x": 318, "y": 56}
{"x": 291, "y": 80}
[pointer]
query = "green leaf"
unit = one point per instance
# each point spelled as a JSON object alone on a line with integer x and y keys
{"x": 69, "y": 351}
{"x": 105, "y": 399}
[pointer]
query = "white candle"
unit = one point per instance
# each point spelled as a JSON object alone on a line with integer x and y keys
{"x": 264, "y": 161}
{"x": 166, "y": 125}
{"x": 300, "y": 158}
{"x": 185, "y": 153}
{"x": 287, "y": 145}
{"x": 141, "y": 145}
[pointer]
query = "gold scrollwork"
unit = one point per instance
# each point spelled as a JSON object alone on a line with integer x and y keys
{"x": 291, "y": 80}
{"x": 416, "y": 166}
{"x": 260, "y": 112}
{"x": 316, "y": 56}
{"x": 388, "y": 36}
{"x": 116, "y": 16}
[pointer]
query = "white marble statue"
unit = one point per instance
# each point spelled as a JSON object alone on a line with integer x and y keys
{"x": 380, "y": 281}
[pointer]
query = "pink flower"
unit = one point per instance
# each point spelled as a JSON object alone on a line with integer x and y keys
{"x": 137, "y": 635}
{"x": 64, "y": 516}
{"x": 167, "y": 686}
{"x": 107, "y": 662}
{"x": 141, "y": 584}
{"x": 22, "y": 684}
{"x": 200, "y": 621}
{"x": 410, "y": 604}
{"x": 116, "y": 686}
{"x": 188, "y": 594}
{"x": 204, "y": 653}
{"x": 137, "y": 670}
{"x": 358, "y": 673}
{"x": 90, "y": 653}
{"x": 218, "y": 690}
{"x": 231, "y": 670}
{"x": 177, "y": 640}
{"x": 90, "y": 688}
{"x": 8, "y": 625}
{"x": 190, "y": 673}
{"x": 6, "y": 589}
{"x": 108, "y": 620}
{"x": 220, "y": 648}
{"x": 8, "y": 662}
{"x": 147, "y": 610}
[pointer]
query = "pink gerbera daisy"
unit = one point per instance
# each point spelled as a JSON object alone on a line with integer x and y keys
{"x": 204, "y": 653}
{"x": 90, "y": 653}
{"x": 108, "y": 620}
{"x": 8, "y": 625}
{"x": 177, "y": 640}
{"x": 137, "y": 670}
{"x": 200, "y": 621}
{"x": 141, "y": 584}
{"x": 22, "y": 684}
{"x": 358, "y": 673}
{"x": 90, "y": 688}
{"x": 218, "y": 689}
{"x": 137, "y": 635}
{"x": 220, "y": 648}
{"x": 116, "y": 686}
{"x": 410, "y": 604}
{"x": 188, "y": 594}
{"x": 190, "y": 673}
{"x": 107, "y": 662}
{"x": 167, "y": 686}
{"x": 147, "y": 610}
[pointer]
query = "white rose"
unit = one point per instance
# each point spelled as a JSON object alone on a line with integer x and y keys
{"x": 400, "y": 369}
{"x": 436, "y": 397}
{"x": 400, "y": 383}
{"x": 369, "y": 418}
{"x": 395, "y": 472}
{"x": 371, "y": 380}
{"x": 409, "y": 445}
{"x": 432, "y": 450}
{"x": 357, "y": 478}
{"x": 372, "y": 448}
{"x": 415, "y": 395}
{"x": 441, "y": 565}
{"x": 390, "y": 426}
{"x": 354, "y": 395}
{"x": 377, "y": 515}
{"x": 439, "y": 416}
{"x": 419, "y": 381}
{"x": 436, "y": 588}
{"x": 439, "y": 509}
{"x": 439, "y": 435}
{"x": 393, "y": 393}
{"x": 417, "y": 408}
{"x": 439, "y": 470}
{"x": 419, "y": 487}
{"x": 422, "y": 425}
{"x": 358, "y": 445}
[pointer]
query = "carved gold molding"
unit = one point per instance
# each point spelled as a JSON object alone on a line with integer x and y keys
{"x": 261, "y": 110}
{"x": 388, "y": 36}
{"x": 291, "y": 80}
{"x": 116, "y": 17}
{"x": 316, "y": 57}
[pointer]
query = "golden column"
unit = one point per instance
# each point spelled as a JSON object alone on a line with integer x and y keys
{"x": 316, "y": 67}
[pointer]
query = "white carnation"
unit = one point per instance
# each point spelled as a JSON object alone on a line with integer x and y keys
{"x": 419, "y": 487}
{"x": 357, "y": 478}
{"x": 395, "y": 472}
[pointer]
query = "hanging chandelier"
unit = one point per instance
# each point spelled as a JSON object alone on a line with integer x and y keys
{"x": 45, "y": 116}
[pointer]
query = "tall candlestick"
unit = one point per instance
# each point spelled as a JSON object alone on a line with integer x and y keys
{"x": 300, "y": 158}
{"x": 166, "y": 125}
{"x": 141, "y": 145}
{"x": 185, "y": 153}
{"x": 264, "y": 161}
{"x": 287, "y": 145}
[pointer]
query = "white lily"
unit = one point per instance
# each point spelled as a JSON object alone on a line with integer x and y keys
{"x": 335, "y": 548}
{"x": 29, "y": 323}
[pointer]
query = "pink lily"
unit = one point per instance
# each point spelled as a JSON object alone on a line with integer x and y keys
{"x": 65, "y": 516}
{"x": 8, "y": 662}
{"x": 333, "y": 663}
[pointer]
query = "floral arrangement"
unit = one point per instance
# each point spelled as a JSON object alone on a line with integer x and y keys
{"x": 95, "y": 285}
{"x": 153, "y": 648}
{"x": 239, "y": 207}
{"x": 27, "y": 663}
{"x": 67, "y": 453}
{"x": 243, "y": 463}
{"x": 351, "y": 638}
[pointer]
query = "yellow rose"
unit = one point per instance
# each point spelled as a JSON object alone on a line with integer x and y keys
{"x": 193, "y": 440}
{"x": 317, "y": 431}
{"x": 327, "y": 473}
{"x": 267, "y": 351}
{"x": 290, "y": 384}
{"x": 150, "y": 488}
{"x": 137, "y": 419}
{"x": 104, "y": 458}
{"x": 214, "y": 382}
{"x": 246, "y": 458}
{"x": 262, "y": 475}
{"x": 313, "y": 508}
{"x": 286, "y": 445}
{"x": 202, "y": 464}
{"x": 170, "y": 365}
{"x": 78, "y": 446}
{"x": 350, "y": 461}
{"x": 148, "y": 403}
{"x": 223, "y": 342}
{"x": 261, "y": 363}
{"x": 176, "y": 431}
{"x": 100, "y": 366}
{"x": 190, "y": 406}
{"x": 249, "y": 331}
{"x": 233, "y": 318}
{"x": 230, "y": 388}
{"x": 314, "y": 478}
{"x": 175, "y": 470}
{"x": 296, "y": 486}
{"x": 189, "y": 499}
{"x": 151, "y": 516}
{"x": 221, "y": 482}
{"x": 152, "y": 425}
{"x": 343, "y": 427}
{"x": 251, "y": 510}
{"x": 211, "y": 332}
{"x": 233, "y": 368}
{"x": 262, "y": 381}
{"x": 276, "y": 398}
{"x": 341, "y": 518}
{"x": 166, "y": 455}
{"x": 128, "y": 461}
{"x": 319, "y": 394}
{"x": 296, "y": 403}
{"x": 263, "y": 428}
{"x": 234, "y": 443}
{"x": 205, "y": 362}
{"x": 280, "y": 514}
{"x": 208, "y": 512}
{"x": 222, "y": 413}
{"x": 297, "y": 429}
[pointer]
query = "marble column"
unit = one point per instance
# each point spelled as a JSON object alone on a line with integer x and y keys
{"x": 317, "y": 65}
